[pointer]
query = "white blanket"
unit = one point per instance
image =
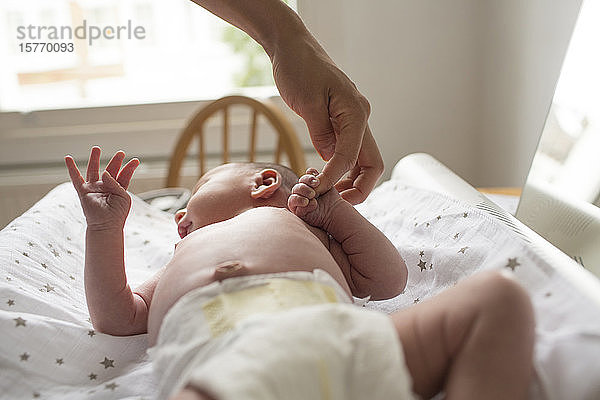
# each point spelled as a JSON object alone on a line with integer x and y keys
{"x": 442, "y": 241}
{"x": 49, "y": 349}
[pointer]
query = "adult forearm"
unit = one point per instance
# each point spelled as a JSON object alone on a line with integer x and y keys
{"x": 270, "y": 22}
{"x": 111, "y": 304}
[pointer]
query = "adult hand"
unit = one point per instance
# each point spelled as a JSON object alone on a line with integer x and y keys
{"x": 336, "y": 114}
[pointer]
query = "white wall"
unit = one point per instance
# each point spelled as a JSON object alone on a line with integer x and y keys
{"x": 524, "y": 43}
{"x": 468, "y": 81}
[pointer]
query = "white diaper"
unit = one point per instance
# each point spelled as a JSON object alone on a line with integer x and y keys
{"x": 291, "y": 335}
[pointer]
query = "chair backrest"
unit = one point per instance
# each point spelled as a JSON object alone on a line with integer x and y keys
{"x": 287, "y": 141}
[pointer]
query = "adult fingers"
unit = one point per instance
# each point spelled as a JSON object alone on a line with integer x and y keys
{"x": 93, "y": 165}
{"x": 127, "y": 172}
{"x": 349, "y": 114}
{"x": 346, "y": 152}
{"x": 371, "y": 167}
{"x": 322, "y": 134}
{"x": 348, "y": 181}
{"x": 74, "y": 173}
{"x": 115, "y": 162}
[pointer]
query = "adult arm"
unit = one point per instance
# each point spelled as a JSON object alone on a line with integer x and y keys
{"x": 310, "y": 83}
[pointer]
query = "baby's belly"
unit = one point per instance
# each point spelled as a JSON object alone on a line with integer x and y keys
{"x": 261, "y": 240}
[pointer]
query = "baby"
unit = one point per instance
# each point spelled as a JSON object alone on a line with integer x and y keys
{"x": 256, "y": 301}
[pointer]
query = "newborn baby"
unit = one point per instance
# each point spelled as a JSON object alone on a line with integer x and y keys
{"x": 237, "y": 223}
{"x": 256, "y": 301}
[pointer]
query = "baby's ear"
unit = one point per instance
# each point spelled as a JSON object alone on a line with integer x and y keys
{"x": 266, "y": 183}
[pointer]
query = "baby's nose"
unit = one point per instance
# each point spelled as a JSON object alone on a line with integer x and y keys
{"x": 183, "y": 229}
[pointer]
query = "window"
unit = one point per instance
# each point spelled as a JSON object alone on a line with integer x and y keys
{"x": 165, "y": 51}
{"x": 568, "y": 149}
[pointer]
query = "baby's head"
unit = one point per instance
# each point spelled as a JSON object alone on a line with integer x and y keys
{"x": 230, "y": 189}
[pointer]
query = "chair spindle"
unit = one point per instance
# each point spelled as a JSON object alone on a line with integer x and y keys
{"x": 201, "y": 149}
{"x": 253, "y": 136}
{"x": 225, "y": 135}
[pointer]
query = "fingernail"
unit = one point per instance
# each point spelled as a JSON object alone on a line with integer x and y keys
{"x": 314, "y": 182}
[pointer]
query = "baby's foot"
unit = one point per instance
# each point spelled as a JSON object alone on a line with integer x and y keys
{"x": 315, "y": 211}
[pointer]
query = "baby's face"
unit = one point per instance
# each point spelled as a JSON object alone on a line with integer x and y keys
{"x": 221, "y": 194}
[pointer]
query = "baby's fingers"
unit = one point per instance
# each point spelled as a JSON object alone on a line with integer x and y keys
{"x": 93, "y": 165}
{"x": 309, "y": 180}
{"x": 312, "y": 171}
{"x": 74, "y": 173}
{"x": 112, "y": 185}
{"x": 127, "y": 172}
{"x": 295, "y": 201}
{"x": 304, "y": 190}
{"x": 115, "y": 163}
{"x": 300, "y": 205}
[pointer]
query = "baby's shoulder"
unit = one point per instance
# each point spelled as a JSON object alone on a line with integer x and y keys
{"x": 268, "y": 210}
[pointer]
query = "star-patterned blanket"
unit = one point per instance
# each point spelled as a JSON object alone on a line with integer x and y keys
{"x": 49, "y": 350}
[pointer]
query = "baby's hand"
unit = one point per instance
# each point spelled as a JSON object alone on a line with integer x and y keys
{"x": 105, "y": 202}
{"x": 304, "y": 202}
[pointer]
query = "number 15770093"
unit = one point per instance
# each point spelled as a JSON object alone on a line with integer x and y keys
{"x": 48, "y": 47}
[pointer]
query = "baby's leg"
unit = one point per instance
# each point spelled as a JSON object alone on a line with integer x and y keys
{"x": 473, "y": 341}
{"x": 189, "y": 393}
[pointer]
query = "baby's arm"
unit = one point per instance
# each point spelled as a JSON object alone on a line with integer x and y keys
{"x": 369, "y": 261}
{"x": 113, "y": 308}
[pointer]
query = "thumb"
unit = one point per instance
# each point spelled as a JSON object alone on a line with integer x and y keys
{"x": 322, "y": 134}
{"x": 112, "y": 185}
{"x": 345, "y": 154}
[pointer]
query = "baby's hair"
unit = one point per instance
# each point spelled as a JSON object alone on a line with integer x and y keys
{"x": 288, "y": 176}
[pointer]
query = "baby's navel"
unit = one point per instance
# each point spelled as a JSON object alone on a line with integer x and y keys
{"x": 229, "y": 269}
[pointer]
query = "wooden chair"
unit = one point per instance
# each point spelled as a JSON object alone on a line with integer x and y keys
{"x": 287, "y": 141}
